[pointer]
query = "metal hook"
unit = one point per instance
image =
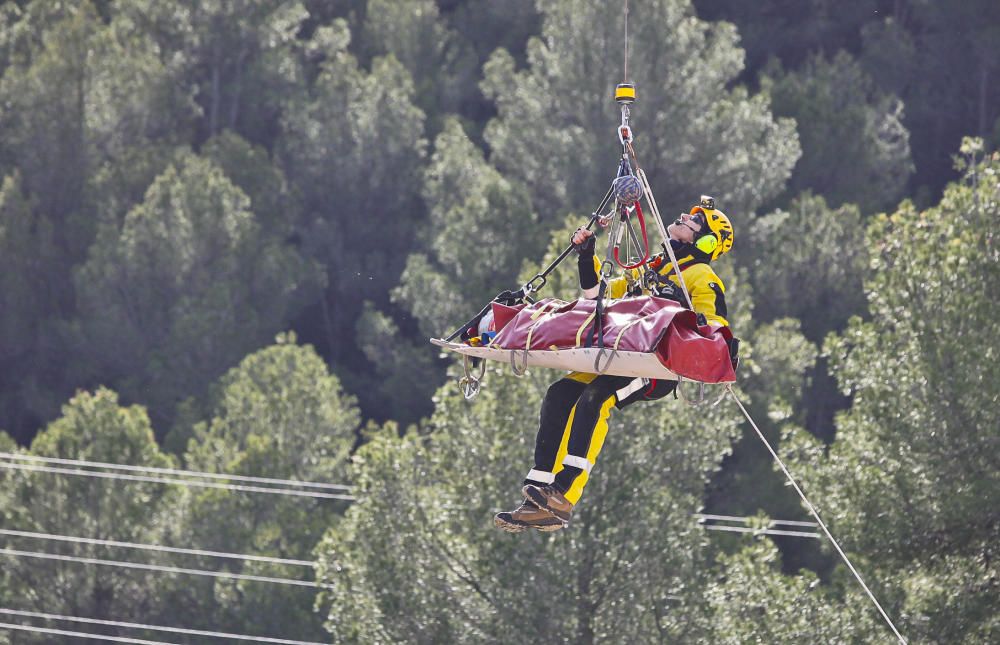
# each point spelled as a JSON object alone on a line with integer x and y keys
{"x": 470, "y": 383}
{"x": 701, "y": 393}
{"x": 597, "y": 360}
{"x": 518, "y": 371}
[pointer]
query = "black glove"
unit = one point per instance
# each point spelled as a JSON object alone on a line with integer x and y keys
{"x": 734, "y": 352}
{"x": 585, "y": 261}
{"x": 667, "y": 289}
{"x": 586, "y": 247}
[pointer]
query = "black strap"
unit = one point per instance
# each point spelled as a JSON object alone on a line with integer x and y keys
{"x": 597, "y": 329}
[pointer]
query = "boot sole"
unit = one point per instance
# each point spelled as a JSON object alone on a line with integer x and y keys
{"x": 513, "y": 526}
{"x": 541, "y": 501}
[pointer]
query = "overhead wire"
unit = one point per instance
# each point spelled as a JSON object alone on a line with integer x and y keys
{"x": 153, "y": 628}
{"x": 745, "y": 519}
{"x": 154, "y": 547}
{"x": 74, "y": 634}
{"x": 762, "y": 531}
{"x": 746, "y": 527}
{"x": 815, "y": 514}
{"x": 162, "y": 568}
{"x": 177, "y": 482}
{"x": 173, "y": 471}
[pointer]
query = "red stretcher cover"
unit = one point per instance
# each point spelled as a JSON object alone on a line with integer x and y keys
{"x": 642, "y": 324}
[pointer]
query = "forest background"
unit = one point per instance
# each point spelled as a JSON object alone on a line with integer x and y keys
{"x": 227, "y": 229}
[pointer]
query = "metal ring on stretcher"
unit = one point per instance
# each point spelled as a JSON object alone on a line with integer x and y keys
{"x": 689, "y": 401}
{"x": 518, "y": 371}
{"x": 597, "y": 360}
{"x": 701, "y": 394}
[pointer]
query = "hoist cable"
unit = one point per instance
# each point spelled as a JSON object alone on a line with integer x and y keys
{"x": 626, "y": 42}
{"x": 152, "y": 628}
{"x": 815, "y": 514}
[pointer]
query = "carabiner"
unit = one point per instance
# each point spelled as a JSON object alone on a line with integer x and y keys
{"x": 471, "y": 383}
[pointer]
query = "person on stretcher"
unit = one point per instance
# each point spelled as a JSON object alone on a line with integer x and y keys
{"x": 574, "y": 414}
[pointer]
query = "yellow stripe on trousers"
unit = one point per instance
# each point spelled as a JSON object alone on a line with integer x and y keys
{"x": 575, "y": 491}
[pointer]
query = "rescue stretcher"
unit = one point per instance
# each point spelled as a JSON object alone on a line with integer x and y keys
{"x": 643, "y": 336}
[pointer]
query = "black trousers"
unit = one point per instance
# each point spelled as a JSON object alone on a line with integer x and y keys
{"x": 573, "y": 424}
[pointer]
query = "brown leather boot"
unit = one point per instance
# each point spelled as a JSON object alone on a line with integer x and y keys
{"x": 526, "y": 516}
{"x": 551, "y": 499}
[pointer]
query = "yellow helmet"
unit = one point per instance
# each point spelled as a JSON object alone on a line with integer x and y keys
{"x": 720, "y": 239}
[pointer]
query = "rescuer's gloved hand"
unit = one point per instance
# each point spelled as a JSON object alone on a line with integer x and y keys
{"x": 584, "y": 242}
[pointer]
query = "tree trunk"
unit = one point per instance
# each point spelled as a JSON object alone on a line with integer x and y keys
{"x": 984, "y": 86}
{"x": 234, "y": 108}
{"x": 213, "y": 119}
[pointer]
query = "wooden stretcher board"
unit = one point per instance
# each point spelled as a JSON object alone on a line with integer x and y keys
{"x": 617, "y": 362}
{"x": 642, "y": 336}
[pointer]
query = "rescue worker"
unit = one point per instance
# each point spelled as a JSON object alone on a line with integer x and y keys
{"x": 574, "y": 414}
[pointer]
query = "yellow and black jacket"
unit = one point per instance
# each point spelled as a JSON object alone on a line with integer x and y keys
{"x": 708, "y": 293}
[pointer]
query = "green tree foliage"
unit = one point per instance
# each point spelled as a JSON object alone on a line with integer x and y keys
{"x": 913, "y": 472}
{"x": 272, "y": 200}
{"x": 405, "y": 372}
{"x": 488, "y": 25}
{"x": 355, "y": 147}
{"x": 417, "y": 558}
{"x": 481, "y": 227}
{"x": 279, "y": 414}
{"x": 80, "y": 97}
{"x": 443, "y": 66}
{"x": 808, "y": 262}
{"x": 695, "y": 133}
{"x": 26, "y": 247}
{"x": 184, "y": 288}
{"x": 754, "y": 603}
{"x": 950, "y": 91}
{"x": 841, "y": 114}
{"x": 87, "y": 105}
{"x": 793, "y": 30}
{"x": 239, "y": 57}
{"x": 93, "y": 426}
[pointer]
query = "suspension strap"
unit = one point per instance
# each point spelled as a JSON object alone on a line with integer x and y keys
{"x": 815, "y": 514}
{"x": 645, "y": 239}
{"x": 648, "y": 192}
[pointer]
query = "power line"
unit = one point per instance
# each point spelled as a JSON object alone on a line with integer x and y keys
{"x": 745, "y": 520}
{"x": 154, "y": 628}
{"x": 162, "y": 568}
{"x": 173, "y": 471}
{"x": 178, "y": 482}
{"x": 64, "y": 632}
{"x": 154, "y": 547}
{"x": 748, "y": 529}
